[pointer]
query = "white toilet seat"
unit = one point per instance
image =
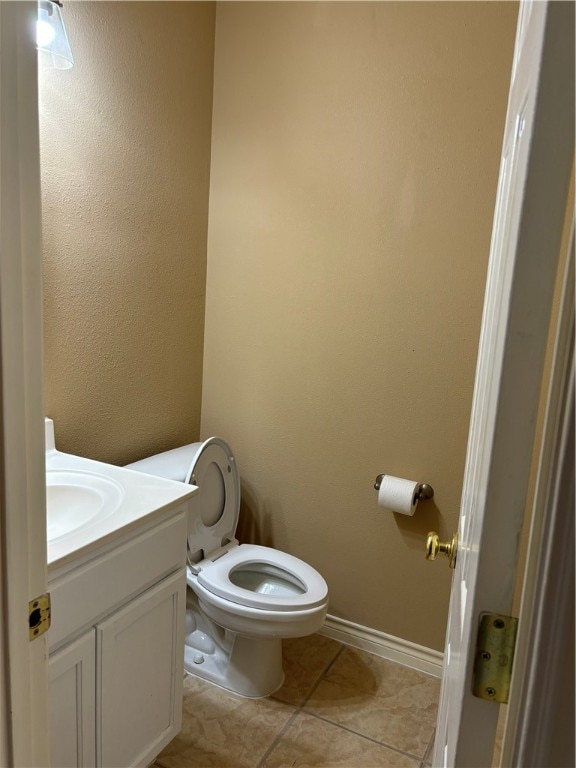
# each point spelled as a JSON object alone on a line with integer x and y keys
{"x": 213, "y": 469}
{"x": 230, "y": 612}
{"x": 288, "y": 583}
{"x": 211, "y": 466}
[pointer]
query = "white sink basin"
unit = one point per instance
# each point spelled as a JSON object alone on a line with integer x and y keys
{"x": 90, "y": 502}
{"x": 77, "y": 498}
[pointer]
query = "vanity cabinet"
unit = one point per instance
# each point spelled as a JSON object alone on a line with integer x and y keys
{"x": 72, "y": 687}
{"x": 138, "y": 693}
{"x": 117, "y": 648}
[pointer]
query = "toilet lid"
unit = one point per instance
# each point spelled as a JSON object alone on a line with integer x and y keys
{"x": 216, "y": 506}
{"x": 265, "y": 578}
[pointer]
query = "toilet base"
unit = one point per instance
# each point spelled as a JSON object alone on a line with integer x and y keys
{"x": 250, "y": 667}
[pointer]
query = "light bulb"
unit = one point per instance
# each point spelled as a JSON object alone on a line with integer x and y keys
{"x": 45, "y": 33}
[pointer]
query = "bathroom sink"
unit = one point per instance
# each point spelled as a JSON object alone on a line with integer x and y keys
{"x": 77, "y": 498}
{"x": 89, "y": 503}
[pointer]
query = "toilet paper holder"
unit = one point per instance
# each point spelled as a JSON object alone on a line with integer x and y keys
{"x": 423, "y": 492}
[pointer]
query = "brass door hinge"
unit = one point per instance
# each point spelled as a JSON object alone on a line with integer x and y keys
{"x": 38, "y": 616}
{"x": 494, "y": 656}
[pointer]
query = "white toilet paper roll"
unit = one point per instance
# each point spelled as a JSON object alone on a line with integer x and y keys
{"x": 398, "y": 494}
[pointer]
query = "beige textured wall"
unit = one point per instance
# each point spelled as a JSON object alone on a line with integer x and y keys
{"x": 355, "y": 153}
{"x": 125, "y": 141}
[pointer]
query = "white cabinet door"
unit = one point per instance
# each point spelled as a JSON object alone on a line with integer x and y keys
{"x": 72, "y": 694}
{"x": 140, "y": 665}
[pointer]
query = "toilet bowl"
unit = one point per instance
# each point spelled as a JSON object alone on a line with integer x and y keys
{"x": 243, "y": 599}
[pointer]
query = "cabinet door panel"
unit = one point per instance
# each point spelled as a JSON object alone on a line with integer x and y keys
{"x": 72, "y": 692}
{"x": 140, "y": 658}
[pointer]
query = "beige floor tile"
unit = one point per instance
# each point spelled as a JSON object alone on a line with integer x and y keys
{"x": 379, "y": 699}
{"x": 305, "y": 659}
{"x": 221, "y": 730}
{"x": 312, "y": 742}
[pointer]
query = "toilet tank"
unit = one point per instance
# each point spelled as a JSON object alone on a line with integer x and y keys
{"x": 173, "y": 465}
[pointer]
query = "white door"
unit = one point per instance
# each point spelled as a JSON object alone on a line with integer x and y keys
{"x": 531, "y": 204}
{"x": 24, "y": 726}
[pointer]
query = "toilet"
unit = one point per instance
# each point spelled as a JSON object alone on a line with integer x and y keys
{"x": 243, "y": 599}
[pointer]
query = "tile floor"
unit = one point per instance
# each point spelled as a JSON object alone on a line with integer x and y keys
{"x": 338, "y": 707}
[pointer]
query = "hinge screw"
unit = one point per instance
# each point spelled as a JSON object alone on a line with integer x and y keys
{"x": 499, "y": 624}
{"x": 491, "y": 691}
{"x": 485, "y": 655}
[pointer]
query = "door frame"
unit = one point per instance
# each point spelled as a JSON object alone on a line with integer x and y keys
{"x": 541, "y": 683}
{"x": 24, "y": 693}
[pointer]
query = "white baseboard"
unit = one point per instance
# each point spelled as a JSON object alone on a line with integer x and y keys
{"x": 388, "y": 647}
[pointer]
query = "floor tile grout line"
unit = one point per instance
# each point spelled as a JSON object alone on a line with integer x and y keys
{"x": 298, "y": 709}
{"x": 411, "y": 755}
{"x": 278, "y": 738}
{"x": 321, "y": 677}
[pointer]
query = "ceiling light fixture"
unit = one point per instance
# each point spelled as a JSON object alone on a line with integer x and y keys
{"x": 51, "y": 36}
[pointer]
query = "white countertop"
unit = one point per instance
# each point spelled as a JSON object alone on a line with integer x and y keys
{"x": 145, "y": 498}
